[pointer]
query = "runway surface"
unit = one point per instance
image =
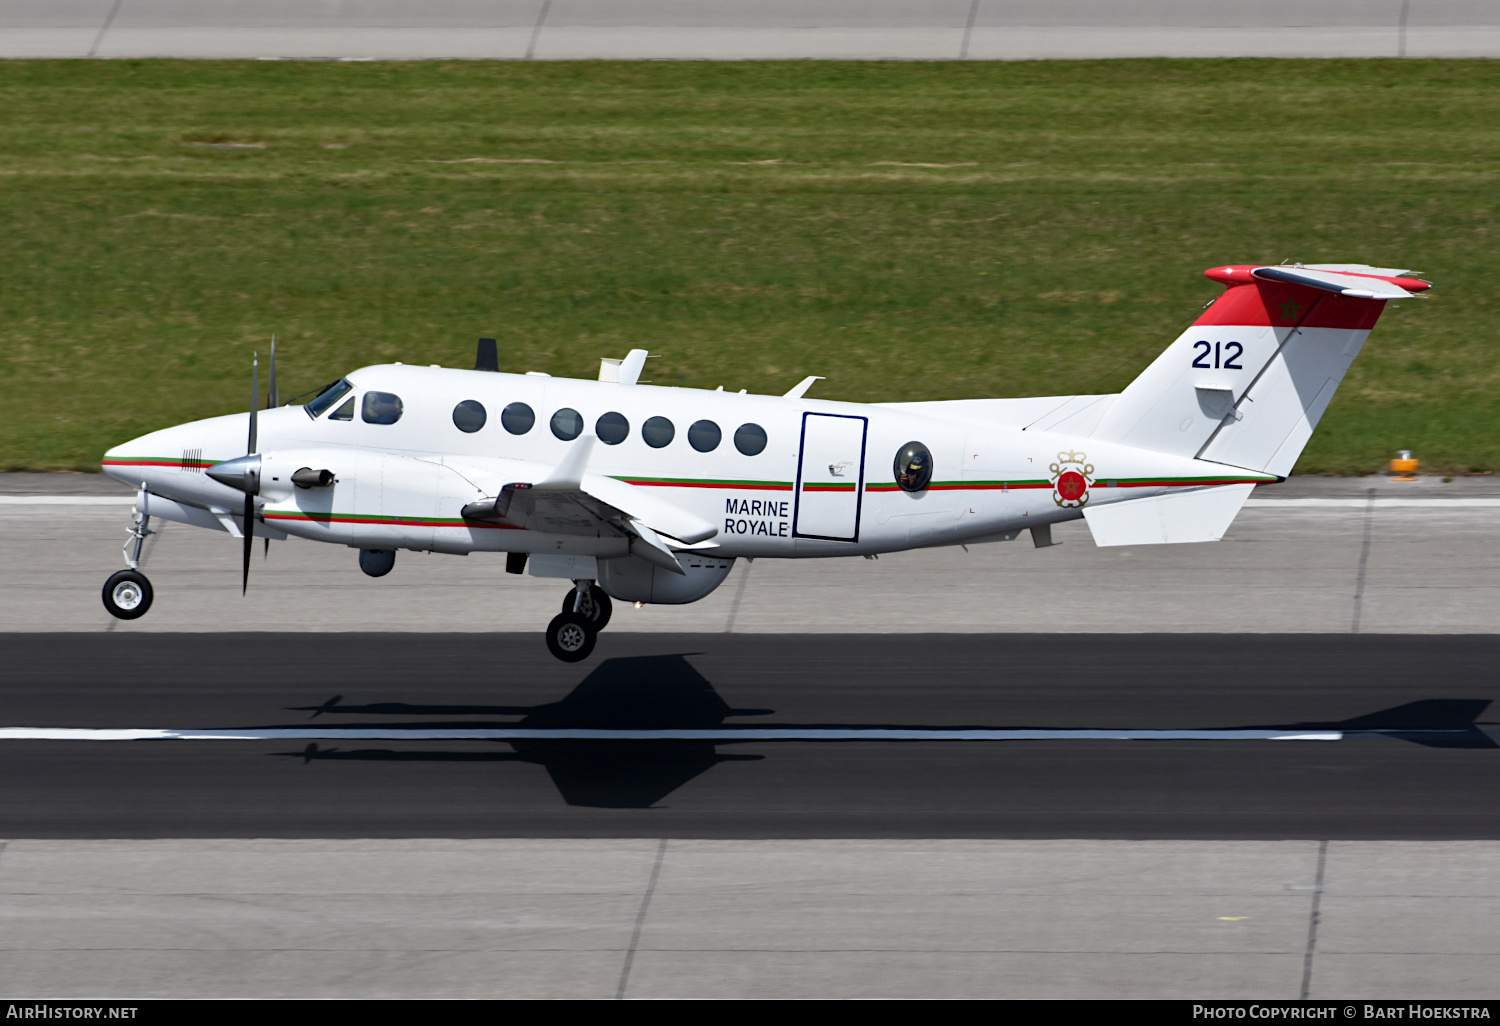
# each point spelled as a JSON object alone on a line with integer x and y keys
{"x": 1366, "y": 555}
{"x": 870, "y": 788}
{"x": 744, "y": 30}
{"x": 1406, "y": 732}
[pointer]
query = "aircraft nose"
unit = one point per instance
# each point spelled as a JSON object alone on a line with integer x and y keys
{"x": 126, "y": 461}
{"x": 171, "y": 449}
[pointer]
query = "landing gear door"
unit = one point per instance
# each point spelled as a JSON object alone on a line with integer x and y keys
{"x": 830, "y": 477}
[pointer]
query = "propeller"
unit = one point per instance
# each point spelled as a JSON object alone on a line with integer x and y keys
{"x": 249, "y": 531}
{"x": 243, "y": 472}
{"x": 272, "y": 401}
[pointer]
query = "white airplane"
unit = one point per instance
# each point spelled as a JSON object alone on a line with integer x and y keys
{"x": 645, "y": 493}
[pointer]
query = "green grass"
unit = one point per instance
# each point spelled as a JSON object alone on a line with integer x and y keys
{"x": 909, "y": 230}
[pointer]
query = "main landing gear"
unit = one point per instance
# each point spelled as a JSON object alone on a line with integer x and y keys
{"x": 572, "y": 633}
{"x": 127, "y": 593}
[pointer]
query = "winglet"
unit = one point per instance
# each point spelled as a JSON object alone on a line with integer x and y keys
{"x": 568, "y": 474}
{"x": 800, "y": 389}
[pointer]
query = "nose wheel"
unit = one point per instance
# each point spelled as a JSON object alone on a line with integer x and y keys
{"x": 127, "y": 594}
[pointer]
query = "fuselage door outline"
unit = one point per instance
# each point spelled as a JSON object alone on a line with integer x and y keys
{"x": 803, "y": 464}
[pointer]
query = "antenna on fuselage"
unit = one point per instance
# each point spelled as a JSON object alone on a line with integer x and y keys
{"x": 488, "y": 357}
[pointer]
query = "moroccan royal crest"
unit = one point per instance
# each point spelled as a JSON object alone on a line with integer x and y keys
{"x": 1071, "y": 479}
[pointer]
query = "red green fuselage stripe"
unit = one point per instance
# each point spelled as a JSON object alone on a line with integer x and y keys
{"x": 1138, "y": 482}
{"x": 158, "y": 461}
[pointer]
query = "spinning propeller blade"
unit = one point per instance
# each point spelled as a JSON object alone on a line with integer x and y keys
{"x": 272, "y": 399}
{"x": 254, "y": 401}
{"x": 249, "y": 541}
{"x": 249, "y": 531}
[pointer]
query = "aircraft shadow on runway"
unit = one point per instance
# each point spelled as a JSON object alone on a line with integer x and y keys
{"x": 665, "y": 692}
{"x": 644, "y": 692}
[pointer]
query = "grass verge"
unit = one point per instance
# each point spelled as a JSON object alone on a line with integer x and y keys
{"x": 910, "y": 230}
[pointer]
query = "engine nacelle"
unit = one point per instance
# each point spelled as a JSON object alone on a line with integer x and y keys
{"x": 632, "y": 579}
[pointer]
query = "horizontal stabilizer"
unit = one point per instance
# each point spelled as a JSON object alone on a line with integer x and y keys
{"x": 1357, "y": 286}
{"x": 1197, "y": 516}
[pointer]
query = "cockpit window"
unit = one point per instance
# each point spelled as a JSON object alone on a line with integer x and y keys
{"x": 327, "y": 397}
{"x": 344, "y": 412}
{"x": 913, "y": 467}
{"x": 381, "y": 408}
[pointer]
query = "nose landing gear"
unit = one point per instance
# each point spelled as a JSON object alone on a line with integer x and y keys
{"x": 127, "y": 593}
{"x": 572, "y": 633}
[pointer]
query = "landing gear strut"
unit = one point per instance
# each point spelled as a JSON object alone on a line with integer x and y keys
{"x": 127, "y": 593}
{"x": 572, "y": 633}
{"x": 593, "y": 603}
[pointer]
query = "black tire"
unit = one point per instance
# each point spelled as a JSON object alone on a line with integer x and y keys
{"x": 127, "y": 594}
{"x": 597, "y": 606}
{"x": 571, "y": 637}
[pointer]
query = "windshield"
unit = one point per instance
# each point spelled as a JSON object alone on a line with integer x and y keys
{"x": 327, "y": 397}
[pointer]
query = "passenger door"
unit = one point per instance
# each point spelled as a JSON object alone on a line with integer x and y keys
{"x": 830, "y": 477}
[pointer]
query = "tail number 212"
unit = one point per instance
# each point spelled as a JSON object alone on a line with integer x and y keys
{"x": 1231, "y": 355}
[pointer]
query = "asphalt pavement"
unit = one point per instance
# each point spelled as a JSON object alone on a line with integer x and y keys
{"x": 1414, "y": 756}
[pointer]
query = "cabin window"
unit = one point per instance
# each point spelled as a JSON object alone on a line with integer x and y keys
{"x": 612, "y": 428}
{"x": 381, "y": 408}
{"x": 705, "y": 436}
{"x": 567, "y": 424}
{"x": 750, "y": 439}
{"x": 518, "y": 418}
{"x": 344, "y": 412}
{"x": 913, "y": 467}
{"x": 658, "y": 432}
{"x": 469, "y": 416}
{"x": 326, "y": 397}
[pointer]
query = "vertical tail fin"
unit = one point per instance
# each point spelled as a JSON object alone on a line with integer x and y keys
{"x": 1248, "y": 382}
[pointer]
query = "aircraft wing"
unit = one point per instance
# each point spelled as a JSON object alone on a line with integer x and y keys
{"x": 570, "y": 501}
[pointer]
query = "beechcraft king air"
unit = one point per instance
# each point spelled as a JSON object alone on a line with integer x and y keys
{"x": 644, "y": 493}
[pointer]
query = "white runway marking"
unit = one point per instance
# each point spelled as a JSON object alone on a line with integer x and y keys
{"x": 67, "y": 500}
{"x": 716, "y": 734}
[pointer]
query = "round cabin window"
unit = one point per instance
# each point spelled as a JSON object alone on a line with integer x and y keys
{"x": 705, "y": 436}
{"x": 658, "y": 432}
{"x": 518, "y": 418}
{"x": 469, "y": 416}
{"x": 567, "y": 424}
{"x": 913, "y": 467}
{"x": 612, "y": 428}
{"x": 750, "y": 439}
